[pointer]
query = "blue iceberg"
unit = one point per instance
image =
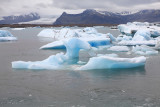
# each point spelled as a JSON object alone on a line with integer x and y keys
{"x": 58, "y": 61}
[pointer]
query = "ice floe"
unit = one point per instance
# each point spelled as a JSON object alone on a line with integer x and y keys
{"x": 109, "y": 62}
{"x": 144, "y": 50}
{"x": 70, "y": 33}
{"x": 119, "y": 48}
{"x": 6, "y": 36}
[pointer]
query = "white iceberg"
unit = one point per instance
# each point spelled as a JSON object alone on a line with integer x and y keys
{"x": 108, "y": 62}
{"x": 70, "y": 33}
{"x": 119, "y": 48}
{"x": 141, "y": 37}
{"x": 47, "y": 33}
{"x": 111, "y": 37}
{"x": 144, "y": 50}
{"x": 58, "y": 61}
{"x": 132, "y": 28}
{"x": 6, "y": 36}
{"x": 123, "y": 38}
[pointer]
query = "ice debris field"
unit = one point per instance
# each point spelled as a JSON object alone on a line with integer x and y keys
{"x": 137, "y": 38}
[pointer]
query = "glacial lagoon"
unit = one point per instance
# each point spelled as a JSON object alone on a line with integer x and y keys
{"x": 136, "y": 87}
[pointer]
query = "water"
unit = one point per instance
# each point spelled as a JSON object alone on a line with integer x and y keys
{"x": 138, "y": 87}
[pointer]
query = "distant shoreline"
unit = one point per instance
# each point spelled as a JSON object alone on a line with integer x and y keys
{"x": 46, "y": 25}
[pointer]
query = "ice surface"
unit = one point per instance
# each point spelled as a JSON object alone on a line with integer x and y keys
{"x": 58, "y": 61}
{"x": 18, "y": 28}
{"x": 111, "y": 37}
{"x": 144, "y": 50}
{"x": 142, "y": 35}
{"x": 47, "y": 33}
{"x": 123, "y": 38}
{"x": 107, "y": 62}
{"x": 6, "y": 36}
{"x": 119, "y": 48}
{"x": 131, "y": 43}
{"x": 70, "y": 33}
{"x": 131, "y": 28}
{"x": 94, "y": 42}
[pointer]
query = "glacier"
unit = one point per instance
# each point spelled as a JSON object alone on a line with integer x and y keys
{"x": 6, "y": 36}
{"x": 109, "y": 62}
{"x": 58, "y": 61}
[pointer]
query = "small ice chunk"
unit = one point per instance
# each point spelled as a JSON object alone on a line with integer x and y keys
{"x": 144, "y": 50}
{"x": 6, "y": 36}
{"x": 119, "y": 48}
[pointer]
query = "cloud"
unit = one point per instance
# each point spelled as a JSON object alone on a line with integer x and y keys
{"x": 56, "y": 7}
{"x": 83, "y": 4}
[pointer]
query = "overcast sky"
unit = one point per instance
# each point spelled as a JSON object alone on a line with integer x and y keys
{"x": 56, "y": 7}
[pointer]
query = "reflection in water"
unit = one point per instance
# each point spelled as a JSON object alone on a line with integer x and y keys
{"x": 117, "y": 72}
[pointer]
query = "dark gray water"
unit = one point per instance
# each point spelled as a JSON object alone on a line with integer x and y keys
{"x": 138, "y": 87}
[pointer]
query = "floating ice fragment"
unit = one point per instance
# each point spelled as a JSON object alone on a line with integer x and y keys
{"x": 119, "y": 48}
{"x": 6, "y": 36}
{"x": 107, "y": 62}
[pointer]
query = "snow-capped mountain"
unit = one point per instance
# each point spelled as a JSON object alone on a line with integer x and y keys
{"x": 19, "y": 18}
{"x": 91, "y": 16}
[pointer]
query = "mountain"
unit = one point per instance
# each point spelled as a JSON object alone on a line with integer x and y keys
{"x": 21, "y": 18}
{"x": 91, "y": 16}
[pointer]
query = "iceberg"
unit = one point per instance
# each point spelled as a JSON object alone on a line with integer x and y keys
{"x": 70, "y": 33}
{"x": 108, "y": 62}
{"x": 58, "y": 61}
{"x": 47, "y": 33}
{"x": 111, "y": 37}
{"x": 130, "y": 29}
{"x": 141, "y": 37}
{"x": 94, "y": 42}
{"x": 6, "y": 36}
{"x": 119, "y": 48}
{"x": 123, "y": 38}
{"x": 144, "y": 50}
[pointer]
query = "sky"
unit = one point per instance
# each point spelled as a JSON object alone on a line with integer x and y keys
{"x": 57, "y": 7}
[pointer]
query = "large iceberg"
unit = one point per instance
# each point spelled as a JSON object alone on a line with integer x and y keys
{"x": 6, "y": 36}
{"x": 58, "y": 61}
{"x": 109, "y": 62}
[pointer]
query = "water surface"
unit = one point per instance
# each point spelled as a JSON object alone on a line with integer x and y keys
{"x": 138, "y": 87}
